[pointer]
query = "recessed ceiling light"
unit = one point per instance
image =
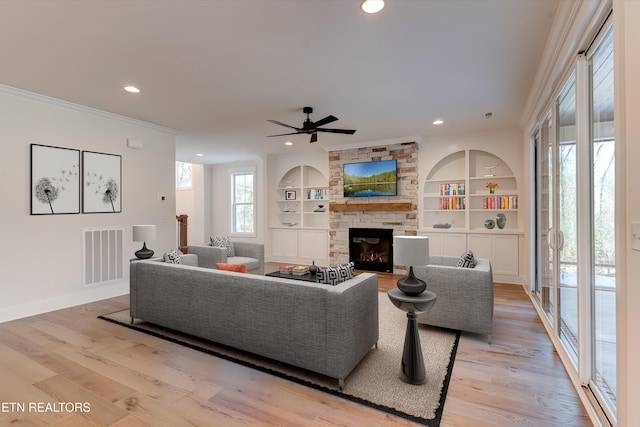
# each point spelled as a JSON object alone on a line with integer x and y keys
{"x": 288, "y": 143}
{"x": 372, "y": 6}
{"x": 438, "y": 122}
{"x": 199, "y": 154}
{"x": 132, "y": 89}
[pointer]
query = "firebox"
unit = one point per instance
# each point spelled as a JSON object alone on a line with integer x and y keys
{"x": 371, "y": 248}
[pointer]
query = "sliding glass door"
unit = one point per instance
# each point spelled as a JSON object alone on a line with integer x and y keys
{"x": 603, "y": 278}
{"x": 575, "y": 280}
{"x": 566, "y": 244}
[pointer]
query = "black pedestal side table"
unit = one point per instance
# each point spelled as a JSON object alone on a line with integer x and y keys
{"x": 412, "y": 368}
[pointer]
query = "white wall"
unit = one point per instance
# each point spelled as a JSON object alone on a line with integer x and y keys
{"x": 41, "y": 267}
{"x": 627, "y": 128}
{"x": 217, "y": 199}
{"x": 191, "y": 202}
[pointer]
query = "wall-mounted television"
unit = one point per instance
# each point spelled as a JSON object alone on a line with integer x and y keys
{"x": 367, "y": 179}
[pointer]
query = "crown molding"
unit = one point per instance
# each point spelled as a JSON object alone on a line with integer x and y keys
{"x": 376, "y": 143}
{"x": 575, "y": 24}
{"x": 82, "y": 108}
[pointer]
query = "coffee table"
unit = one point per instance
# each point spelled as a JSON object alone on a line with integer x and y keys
{"x": 305, "y": 277}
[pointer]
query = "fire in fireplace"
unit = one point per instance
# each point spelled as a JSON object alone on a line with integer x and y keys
{"x": 371, "y": 248}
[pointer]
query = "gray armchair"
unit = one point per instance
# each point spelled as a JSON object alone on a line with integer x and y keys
{"x": 465, "y": 295}
{"x": 247, "y": 253}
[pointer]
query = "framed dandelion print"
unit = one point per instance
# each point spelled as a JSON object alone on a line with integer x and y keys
{"x": 101, "y": 182}
{"x": 55, "y": 180}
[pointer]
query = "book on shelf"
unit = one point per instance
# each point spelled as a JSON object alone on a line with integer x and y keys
{"x": 500, "y": 202}
{"x": 453, "y": 203}
{"x": 455, "y": 189}
{"x": 317, "y": 193}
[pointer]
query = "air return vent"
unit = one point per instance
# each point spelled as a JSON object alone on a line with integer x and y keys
{"x": 103, "y": 251}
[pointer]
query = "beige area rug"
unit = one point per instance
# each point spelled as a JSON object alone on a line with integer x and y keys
{"x": 374, "y": 382}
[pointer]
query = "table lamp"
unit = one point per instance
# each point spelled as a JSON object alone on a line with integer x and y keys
{"x": 410, "y": 251}
{"x": 144, "y": 233}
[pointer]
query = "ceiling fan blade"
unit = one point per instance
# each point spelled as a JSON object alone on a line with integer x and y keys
{"x": 326, "y": 120}
{"x": 314, "y": 137}
{"x": 347, "y": 131}
{"x": 283, "y": 124}
{"x": 283, "y": 134}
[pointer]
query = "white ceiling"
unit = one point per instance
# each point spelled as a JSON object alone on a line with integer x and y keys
{"x": 217, "y": 70}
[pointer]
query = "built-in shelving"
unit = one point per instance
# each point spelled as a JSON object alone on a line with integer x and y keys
{"x": 302, "y": 198}
{"x": 455, "y": 193}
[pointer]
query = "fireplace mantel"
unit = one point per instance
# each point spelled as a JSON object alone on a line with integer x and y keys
{"x": 389, "y": 206}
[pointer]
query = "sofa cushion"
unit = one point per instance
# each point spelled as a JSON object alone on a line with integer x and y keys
{"x": 334, "y": 275}
{"x": 240, "y": 268}
{"x": 251, "y": 263}
{"x": 467, "y": 260}
{"x": 223, "y": 242}
{"x": 174, "y": 257}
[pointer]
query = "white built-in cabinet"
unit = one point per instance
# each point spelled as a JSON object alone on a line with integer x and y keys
{"x": 455, "y": 194}
{"x": 300, "y": 229}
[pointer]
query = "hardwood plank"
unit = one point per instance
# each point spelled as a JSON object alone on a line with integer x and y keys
{"x": 139, "y": 380}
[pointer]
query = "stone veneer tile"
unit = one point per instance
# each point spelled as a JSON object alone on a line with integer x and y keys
{"x": 402, "y": 222}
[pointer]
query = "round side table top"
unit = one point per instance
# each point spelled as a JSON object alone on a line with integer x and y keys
{"x": 412, "y": 303}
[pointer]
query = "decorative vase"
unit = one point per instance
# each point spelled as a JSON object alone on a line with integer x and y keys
{"x": 411, "y": 285}
{"x": 492, "y": 190}
{"x": 312, "y": 268}
{"x": 489, "y": 223}
{"x": 501, "y": 220}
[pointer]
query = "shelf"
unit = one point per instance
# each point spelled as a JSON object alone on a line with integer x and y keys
{"x": 304, "y": 181}
{"x": 341, "y": 207}
{"x": 464, "y": 171}
{"x": 489, "y": 178}
{"x": 493, "y": 210}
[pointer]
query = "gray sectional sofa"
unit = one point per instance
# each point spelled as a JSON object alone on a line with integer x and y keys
{"x": 465, "y": 295}
{"x": 247, "y": 253}
{"x": 322, "y": 328}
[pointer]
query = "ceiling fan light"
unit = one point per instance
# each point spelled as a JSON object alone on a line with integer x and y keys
{"x": 372, "y": 6}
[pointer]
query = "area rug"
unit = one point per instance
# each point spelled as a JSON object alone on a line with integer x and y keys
{"x": 375, "y": 382}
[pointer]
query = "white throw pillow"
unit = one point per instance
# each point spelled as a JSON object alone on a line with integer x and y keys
{"x": 467, "y": 260}
{"x": 223, "y": 242}
{"x": 174, "y": 257}
{"x": 334, "y": 275}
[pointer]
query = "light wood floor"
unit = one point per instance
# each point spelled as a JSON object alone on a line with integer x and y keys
{"x": 133, "y": 379}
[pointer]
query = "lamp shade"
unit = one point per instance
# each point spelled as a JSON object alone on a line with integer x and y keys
{"x": 144, "y": 233}
{"x": 410, "y": 250}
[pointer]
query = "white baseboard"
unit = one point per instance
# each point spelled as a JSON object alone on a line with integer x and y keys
{"x": 45, "y": 306}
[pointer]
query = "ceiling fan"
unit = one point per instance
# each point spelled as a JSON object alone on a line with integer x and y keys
{"x": 312, "y": 128}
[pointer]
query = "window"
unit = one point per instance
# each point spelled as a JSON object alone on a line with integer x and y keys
{"x": 183, "y": 175}
{"x": 243, "y": 202}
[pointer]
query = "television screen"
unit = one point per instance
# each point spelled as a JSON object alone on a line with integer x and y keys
{"x": 370, "y": 179}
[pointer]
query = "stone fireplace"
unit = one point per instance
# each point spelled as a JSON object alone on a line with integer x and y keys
{"x": 382, "y": 214}
{"x": 371, "y": 248}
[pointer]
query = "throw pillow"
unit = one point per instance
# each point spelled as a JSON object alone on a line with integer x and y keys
{"x": 240, "y": 268}
{"x": 467, "y": 260}
{"x": 223, "y": 242}
{"x": 174, "y": 257}
{"x": 334, "y": 275}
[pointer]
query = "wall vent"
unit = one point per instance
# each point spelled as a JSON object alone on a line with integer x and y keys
{"x": 103, "y": 260}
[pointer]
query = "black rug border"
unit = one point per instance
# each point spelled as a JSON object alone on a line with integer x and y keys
{"x": 430, "y": 422}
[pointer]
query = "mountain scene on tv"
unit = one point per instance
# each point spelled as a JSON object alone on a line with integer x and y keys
{"x": 370, "y": 179}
